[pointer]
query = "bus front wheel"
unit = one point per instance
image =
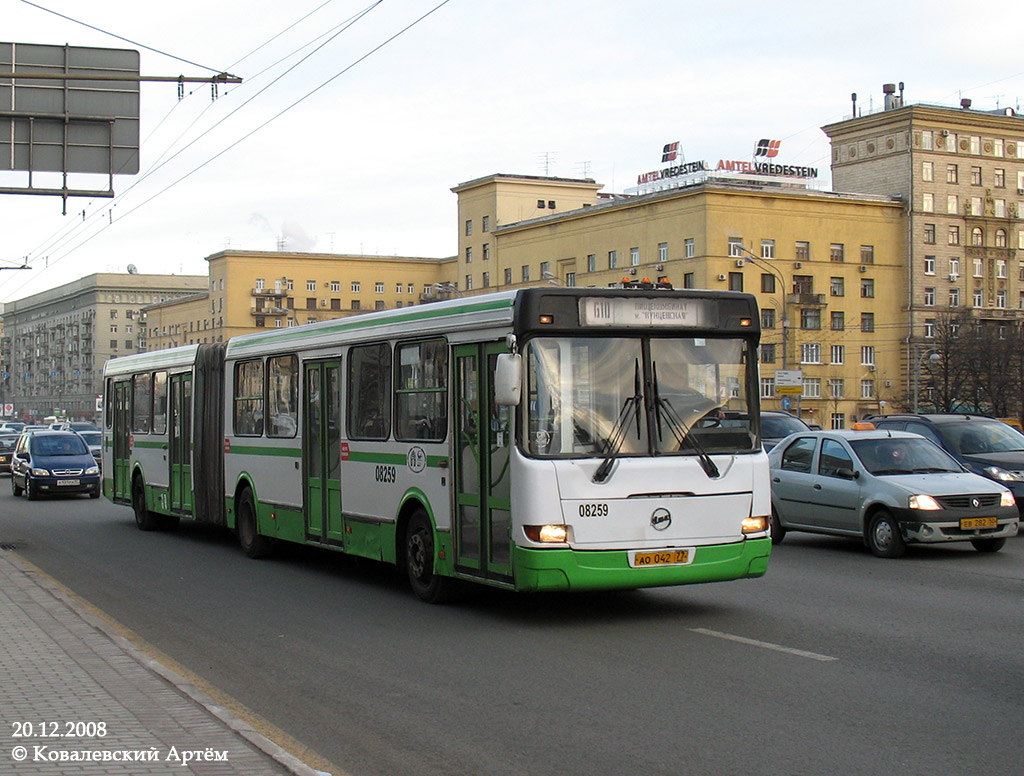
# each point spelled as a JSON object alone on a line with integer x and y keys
{"x": 253, "y": 543}
{"x": 419, "y": 561}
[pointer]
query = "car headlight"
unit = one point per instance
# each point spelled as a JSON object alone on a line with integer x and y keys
{"x": 39, "y": 472}
{"x": 93, "y": 470}
{"x": 921, "y": 501}
{"x": 1006, "y": 499}
{"x": 1004, "y": 475}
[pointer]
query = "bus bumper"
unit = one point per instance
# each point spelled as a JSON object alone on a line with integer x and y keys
{"x": 566, "y": 569}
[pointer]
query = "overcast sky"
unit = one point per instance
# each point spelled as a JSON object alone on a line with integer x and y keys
{"x": 365, "y": 162}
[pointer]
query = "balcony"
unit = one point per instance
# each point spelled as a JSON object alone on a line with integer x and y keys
{"x": 270, "y": 292}
{"x": 807, "y": 300}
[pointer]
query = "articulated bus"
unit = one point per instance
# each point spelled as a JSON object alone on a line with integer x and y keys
{"x": 539, "y": 439}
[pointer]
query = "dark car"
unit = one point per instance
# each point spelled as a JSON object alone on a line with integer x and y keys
{"x": 775, "y": 425}
{"x": 984, "y": 445}
{"x": 94, "y": 440}
{"x": 48, "y": 462}
{"x": 7, "y": 443}
{"x": 78, "y": 425}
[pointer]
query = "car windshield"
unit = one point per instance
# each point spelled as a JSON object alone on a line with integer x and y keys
{"x": 58, "y": 445}
{"x": 606, "y": 396}
{"x": 778, "y": 426}
{"x": 903, "y": 455}
{"x": 979, "y": 436}
{"x": 7, "y": 442}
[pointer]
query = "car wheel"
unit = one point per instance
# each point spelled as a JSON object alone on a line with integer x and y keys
{"x": 253, "y": 543}
{"x": 144, "y": 519}
{"x": 778, "y": 532}
{"x": 884, "y": 537}
{"x": 988, "y": 545}
{"x": 419, "y": 561}
{"x": 31, "y": 492}
{"x": 95, "y": 493}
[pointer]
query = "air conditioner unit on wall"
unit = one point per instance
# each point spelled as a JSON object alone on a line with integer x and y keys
{"x": 740, "y": 262}
{"x": 863, "y": 268}
{"x": 722, "y": 276}
{"x": 797, "y": 264}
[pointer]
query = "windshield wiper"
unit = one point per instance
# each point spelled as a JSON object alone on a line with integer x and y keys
{"x": 630, "y": 409}
{"x": 679, "y": 430}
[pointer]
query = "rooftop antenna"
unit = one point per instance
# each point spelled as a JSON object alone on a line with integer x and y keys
{"x": 586, "y": 169}
{"x": 546, "y": 158}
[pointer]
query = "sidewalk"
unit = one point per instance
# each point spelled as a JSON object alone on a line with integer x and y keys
{"x": 76, "y": 698}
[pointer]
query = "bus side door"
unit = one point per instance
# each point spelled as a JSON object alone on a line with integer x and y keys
{"x": 321, "y": 440}
{"x": 122, "y": 446}
{"x": 181, "y": 442}
{"x": 483, "y": 430}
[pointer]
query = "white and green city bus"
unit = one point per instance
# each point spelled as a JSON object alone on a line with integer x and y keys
{"x": 538, "y": 439}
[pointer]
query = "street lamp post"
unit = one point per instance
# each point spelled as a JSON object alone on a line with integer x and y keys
{"x": 934, "y": 358}
{"x": 785, "y": 300}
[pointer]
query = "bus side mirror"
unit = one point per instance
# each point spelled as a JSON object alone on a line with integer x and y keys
{"x": 508, "y": 379}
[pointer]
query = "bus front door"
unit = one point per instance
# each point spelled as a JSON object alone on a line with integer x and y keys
{"x": 482, "y": 530}
{"x": 321, "y": 440}
{"x": 181, "y": 443}
{"x": 121, "y": 443}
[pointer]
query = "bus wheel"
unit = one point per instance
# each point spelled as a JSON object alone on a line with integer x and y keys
{"x": 253, "y": 543}
{"x": 778, "y": 532}
{"x": 988, "y": 545}
{"x": 144, "y": 519}
{"x": 419, "y": 561}
{"x": 884, "y": 537}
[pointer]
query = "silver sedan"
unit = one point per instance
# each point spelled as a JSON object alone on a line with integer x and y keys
{"x": 887, "y": 488}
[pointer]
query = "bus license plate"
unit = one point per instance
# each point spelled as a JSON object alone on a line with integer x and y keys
{"x": 979, "y": 522}
{"x": 661, "y": 558}
{"x": 61, "y": 483}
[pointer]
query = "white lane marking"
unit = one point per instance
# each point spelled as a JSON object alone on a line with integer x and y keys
{"x": 764, "y": 644}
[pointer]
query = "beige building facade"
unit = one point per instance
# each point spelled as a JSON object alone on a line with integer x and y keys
{"x": 961, "y": 174}
{"x": 248, "y": 291}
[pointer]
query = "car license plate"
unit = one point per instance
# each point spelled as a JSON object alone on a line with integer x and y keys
{"x": 979, "y": 522}
{"x": 661, "y": 558}
{"x": 62, "y": 483}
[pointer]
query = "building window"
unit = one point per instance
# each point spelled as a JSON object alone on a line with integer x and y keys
{"x": 953, "y": 204}
{"x": 378, "y": 287}
{"x": 979, "y": 268}
{"x": 976, "y": 209}
{"x": 767, "y": 387}
{"x": 735, "y": 281}
{"x": 997, "y": 147}
{"x": 810, "y": 318}
{"x": 837, "y": 387}
{"x": 999, "y": 178}
{"x": 378, "y": 305}
{"x": 689, "y": 280}
{"x": 867, "y": 389}
{"x": 838, "y": 421}
{"x": 867, "y": 254}
{"x": 929, "y": 297}
{"x": 487, "y": 251}
{"x": 954, "y": 297}
{"x": 613, "y": 259}
{"x": 837, "y": 287}
{"x": 469, "y": 283}
{"x": 838, "y": 320}
{"x": 592, "y": 262}
{"x": 929, "y": 234}
{"x": 927, "y": 171}
{"x": 768, "y": 353}
{"x": 952, "y": 173}
{"x": 999, "y": 208}
{"x": 689, "y": 249}
{"x": 838, "y": 354}
{"x": 1001, "y": 298}
{"x": 802, "y": 250}
{"x": 261, "y": 284}
{"x": 927, "y": 143}
{"x": 634, "y": 257}
{"x": 508, "y": 276}
{"x": 469, "y": 227}
{"x": 767, "y": 317}
{"x": 867, "y": 288}
{"x": 767, "y": 283}
{"x": 487, "y": 223}
{"x": 1001, "y": 243}
{"x": 335, "y": 285}
{"x": 803, "y": 284}
{"x": 310, "y": 302}
{"x": 662, "y": 252}
{"x": 311, "y": 285}
{"x": 978, "y": 237}
{"x": 928, "y": 202}
{"x": 487, "y": 280}
{"x": 867, "y": 321}
{"x": 545, "y": 270}
{"x": 355, "y": 287}
{"x": 736, "y": 246}
{"x": 977, "y": 298}
{"x": 469, "y": 254}
{"x": 810, "y": 353}
{"x": 975, "y": 176}
{"x": 975, "y": 144}
{"x": 526, "y": 273}
{"x": 767, "y": 249}
{"x": 929, "y": 265}
{"x": 1001, "y": 268}
{"x": 954, "y": 235}
{"x": 570, "y": 279}
{"x": 812, "y": 387}
{"x": 954, "y": 269}
{"x": 836, "y": 252}
{"x": 929, "y": 328}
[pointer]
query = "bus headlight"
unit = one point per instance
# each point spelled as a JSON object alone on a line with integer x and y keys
{"x": 758, "y": 524}
{"x": 547, "y": 534}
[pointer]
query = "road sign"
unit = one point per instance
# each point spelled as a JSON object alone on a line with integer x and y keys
{"x": 786, "y": 402}
{"x": 789, "y": 381}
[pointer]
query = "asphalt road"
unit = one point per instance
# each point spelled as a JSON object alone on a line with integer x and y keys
{"x": 835, "y": 662}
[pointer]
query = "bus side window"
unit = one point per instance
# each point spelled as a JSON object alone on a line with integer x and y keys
{"x": 369, "y": 392}
{"x": 142, "y": 402}
{"x": 248, "y": 398}
{"x": 421, "y": 391}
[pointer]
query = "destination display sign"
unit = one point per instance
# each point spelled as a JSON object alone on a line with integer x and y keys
{"x": 647, "y": 312}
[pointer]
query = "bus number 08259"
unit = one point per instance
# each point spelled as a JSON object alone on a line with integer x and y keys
{"x": 385, "y": 474}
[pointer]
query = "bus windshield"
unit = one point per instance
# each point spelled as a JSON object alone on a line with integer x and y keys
{"x": 636, "y": 396}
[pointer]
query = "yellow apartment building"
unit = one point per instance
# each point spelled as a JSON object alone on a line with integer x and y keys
{"x": 253, "y": 290}
{"x": 827, "y": 268}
